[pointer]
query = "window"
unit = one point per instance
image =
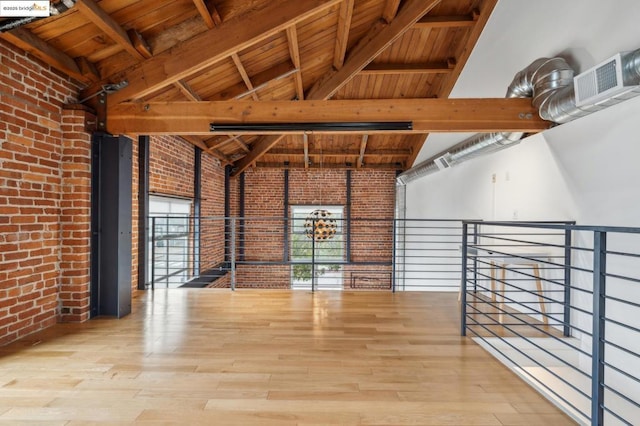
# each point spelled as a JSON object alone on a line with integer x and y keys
{"x": 325, "y": 254}
{"x": 169, "y": 260}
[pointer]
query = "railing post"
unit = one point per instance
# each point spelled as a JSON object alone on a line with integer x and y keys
{"x": 233, "y": 253}
{"x": 475, "y": 258}
{"x": 393, "y": 253}
{"x": 598, "y": 335}
{"x": 153, "y": 253}
{"x": 463, "y": 283}
{"x": 567, "y": 282}
{"x": 313, "y": 256}
{"x": 166, "y": 253}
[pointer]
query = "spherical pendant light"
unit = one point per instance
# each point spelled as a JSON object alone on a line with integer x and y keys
{"x": 320, "y": 226}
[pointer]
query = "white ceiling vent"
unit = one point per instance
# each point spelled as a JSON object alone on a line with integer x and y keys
{"x": 443, "y": 162}
{"x": 600, "y": 82}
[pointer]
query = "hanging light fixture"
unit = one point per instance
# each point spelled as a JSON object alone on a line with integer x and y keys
{"x": 320, "y": 225}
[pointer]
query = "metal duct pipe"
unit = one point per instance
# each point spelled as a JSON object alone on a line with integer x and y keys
{"x": 550, "y": 83}
{"x": 54, "y": 9}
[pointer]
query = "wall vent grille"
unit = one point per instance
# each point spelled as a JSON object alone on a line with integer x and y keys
{"x": 600, "y": 82}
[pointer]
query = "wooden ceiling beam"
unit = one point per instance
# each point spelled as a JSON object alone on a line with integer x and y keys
{"x": 263, "y": 145}
{"x": 363, "y": 148}
{"x": 201, "y": 51}
{"x": 370, "y": 46}
{"x": 218, "y": 142}
{"x": 427, "y": 115}
{"x": 187, "y": 91}
{"x": 241, "y": 143}
{"x": 294, "y": 53}
{"x": 342, "y": 34}
{"x": 93, "y": 12}
{"x": 390, "y": 10}
{"x": 27, "y": 41}
{"x": 415, "y": 68}
{"x": 244, "y": 75}
{"x": 209, "y": 13}
{"x": 260, "y": 80}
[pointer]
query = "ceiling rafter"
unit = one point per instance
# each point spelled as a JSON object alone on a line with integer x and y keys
{"x": 244, "y": 75}
{"x": 261, "y": 146}
{"x": 427, "y": 115}
{"x": 370, "y": 46}
{"x": 209, "y": 13}
{"x": 390, "y": 10}
{"x": 294, "y": 53}
{"x": 363, "y": 148}
{"x": 197, "y": 53}
{"x": 261, "y": 80}
{"x": 187, "y": 91}
{"x": 342, "y": 35}
{"x": 27, "y": 41}
{"x": 219, "y": 142}
{"x": 241, "y": 143}
{"x": 93, "y": 12}
{"x": 480, "y": 17}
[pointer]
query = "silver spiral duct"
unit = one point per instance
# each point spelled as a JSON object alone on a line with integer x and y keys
{"x": 549, "y": 82}
{"x": 54, "y": 9}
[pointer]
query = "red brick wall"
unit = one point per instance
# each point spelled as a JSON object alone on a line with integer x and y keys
{"x": 75, "y": 217}
{"x": 41, "y": 186}
{"x": 372, "y": 197}
{"x": 171, "y": 166}
{"x": 212, "y": 212}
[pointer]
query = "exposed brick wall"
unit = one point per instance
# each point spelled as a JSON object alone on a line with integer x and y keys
{"x": 212, "y": 206}
{"x": 38, "y": 245}
{"x": 75, "y": 217}
{"x": 171, "y": 166}
{"x": 372, "y": 198}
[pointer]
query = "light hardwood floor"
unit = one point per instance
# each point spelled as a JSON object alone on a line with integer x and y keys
{"x": 214, "y": 357}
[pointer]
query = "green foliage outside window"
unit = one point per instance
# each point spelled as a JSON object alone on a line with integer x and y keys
{"x": 302, "y": 249}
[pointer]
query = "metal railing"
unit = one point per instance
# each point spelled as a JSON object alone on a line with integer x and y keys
{"x": 560, "y": 304}
{"x": 259, "y": 252}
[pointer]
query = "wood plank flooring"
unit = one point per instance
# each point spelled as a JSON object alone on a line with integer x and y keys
{"x": 258, "y": 357}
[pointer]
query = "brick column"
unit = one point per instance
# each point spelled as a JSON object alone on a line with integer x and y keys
{"x": 75, "y": 217}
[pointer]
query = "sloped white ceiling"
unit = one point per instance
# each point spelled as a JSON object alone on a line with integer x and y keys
{"x": 585, "y": 32}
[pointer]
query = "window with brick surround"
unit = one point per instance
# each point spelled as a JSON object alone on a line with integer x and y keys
{"x": 309, "y": 254}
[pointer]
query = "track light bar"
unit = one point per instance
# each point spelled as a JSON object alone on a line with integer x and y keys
{"x": 311, "y": 127}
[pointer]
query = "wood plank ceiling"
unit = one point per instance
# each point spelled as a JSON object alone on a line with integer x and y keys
{"x": 177, "y": 51}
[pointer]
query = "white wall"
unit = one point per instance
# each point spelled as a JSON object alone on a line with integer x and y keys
{"x": 587, "y": 170}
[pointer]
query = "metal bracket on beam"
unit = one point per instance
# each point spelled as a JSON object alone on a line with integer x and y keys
{"x": 101, "y": 111}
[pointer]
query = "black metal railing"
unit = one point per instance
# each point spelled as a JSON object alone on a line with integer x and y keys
{"x": 560, "y": 304}
{"x": 259, "y": 252}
